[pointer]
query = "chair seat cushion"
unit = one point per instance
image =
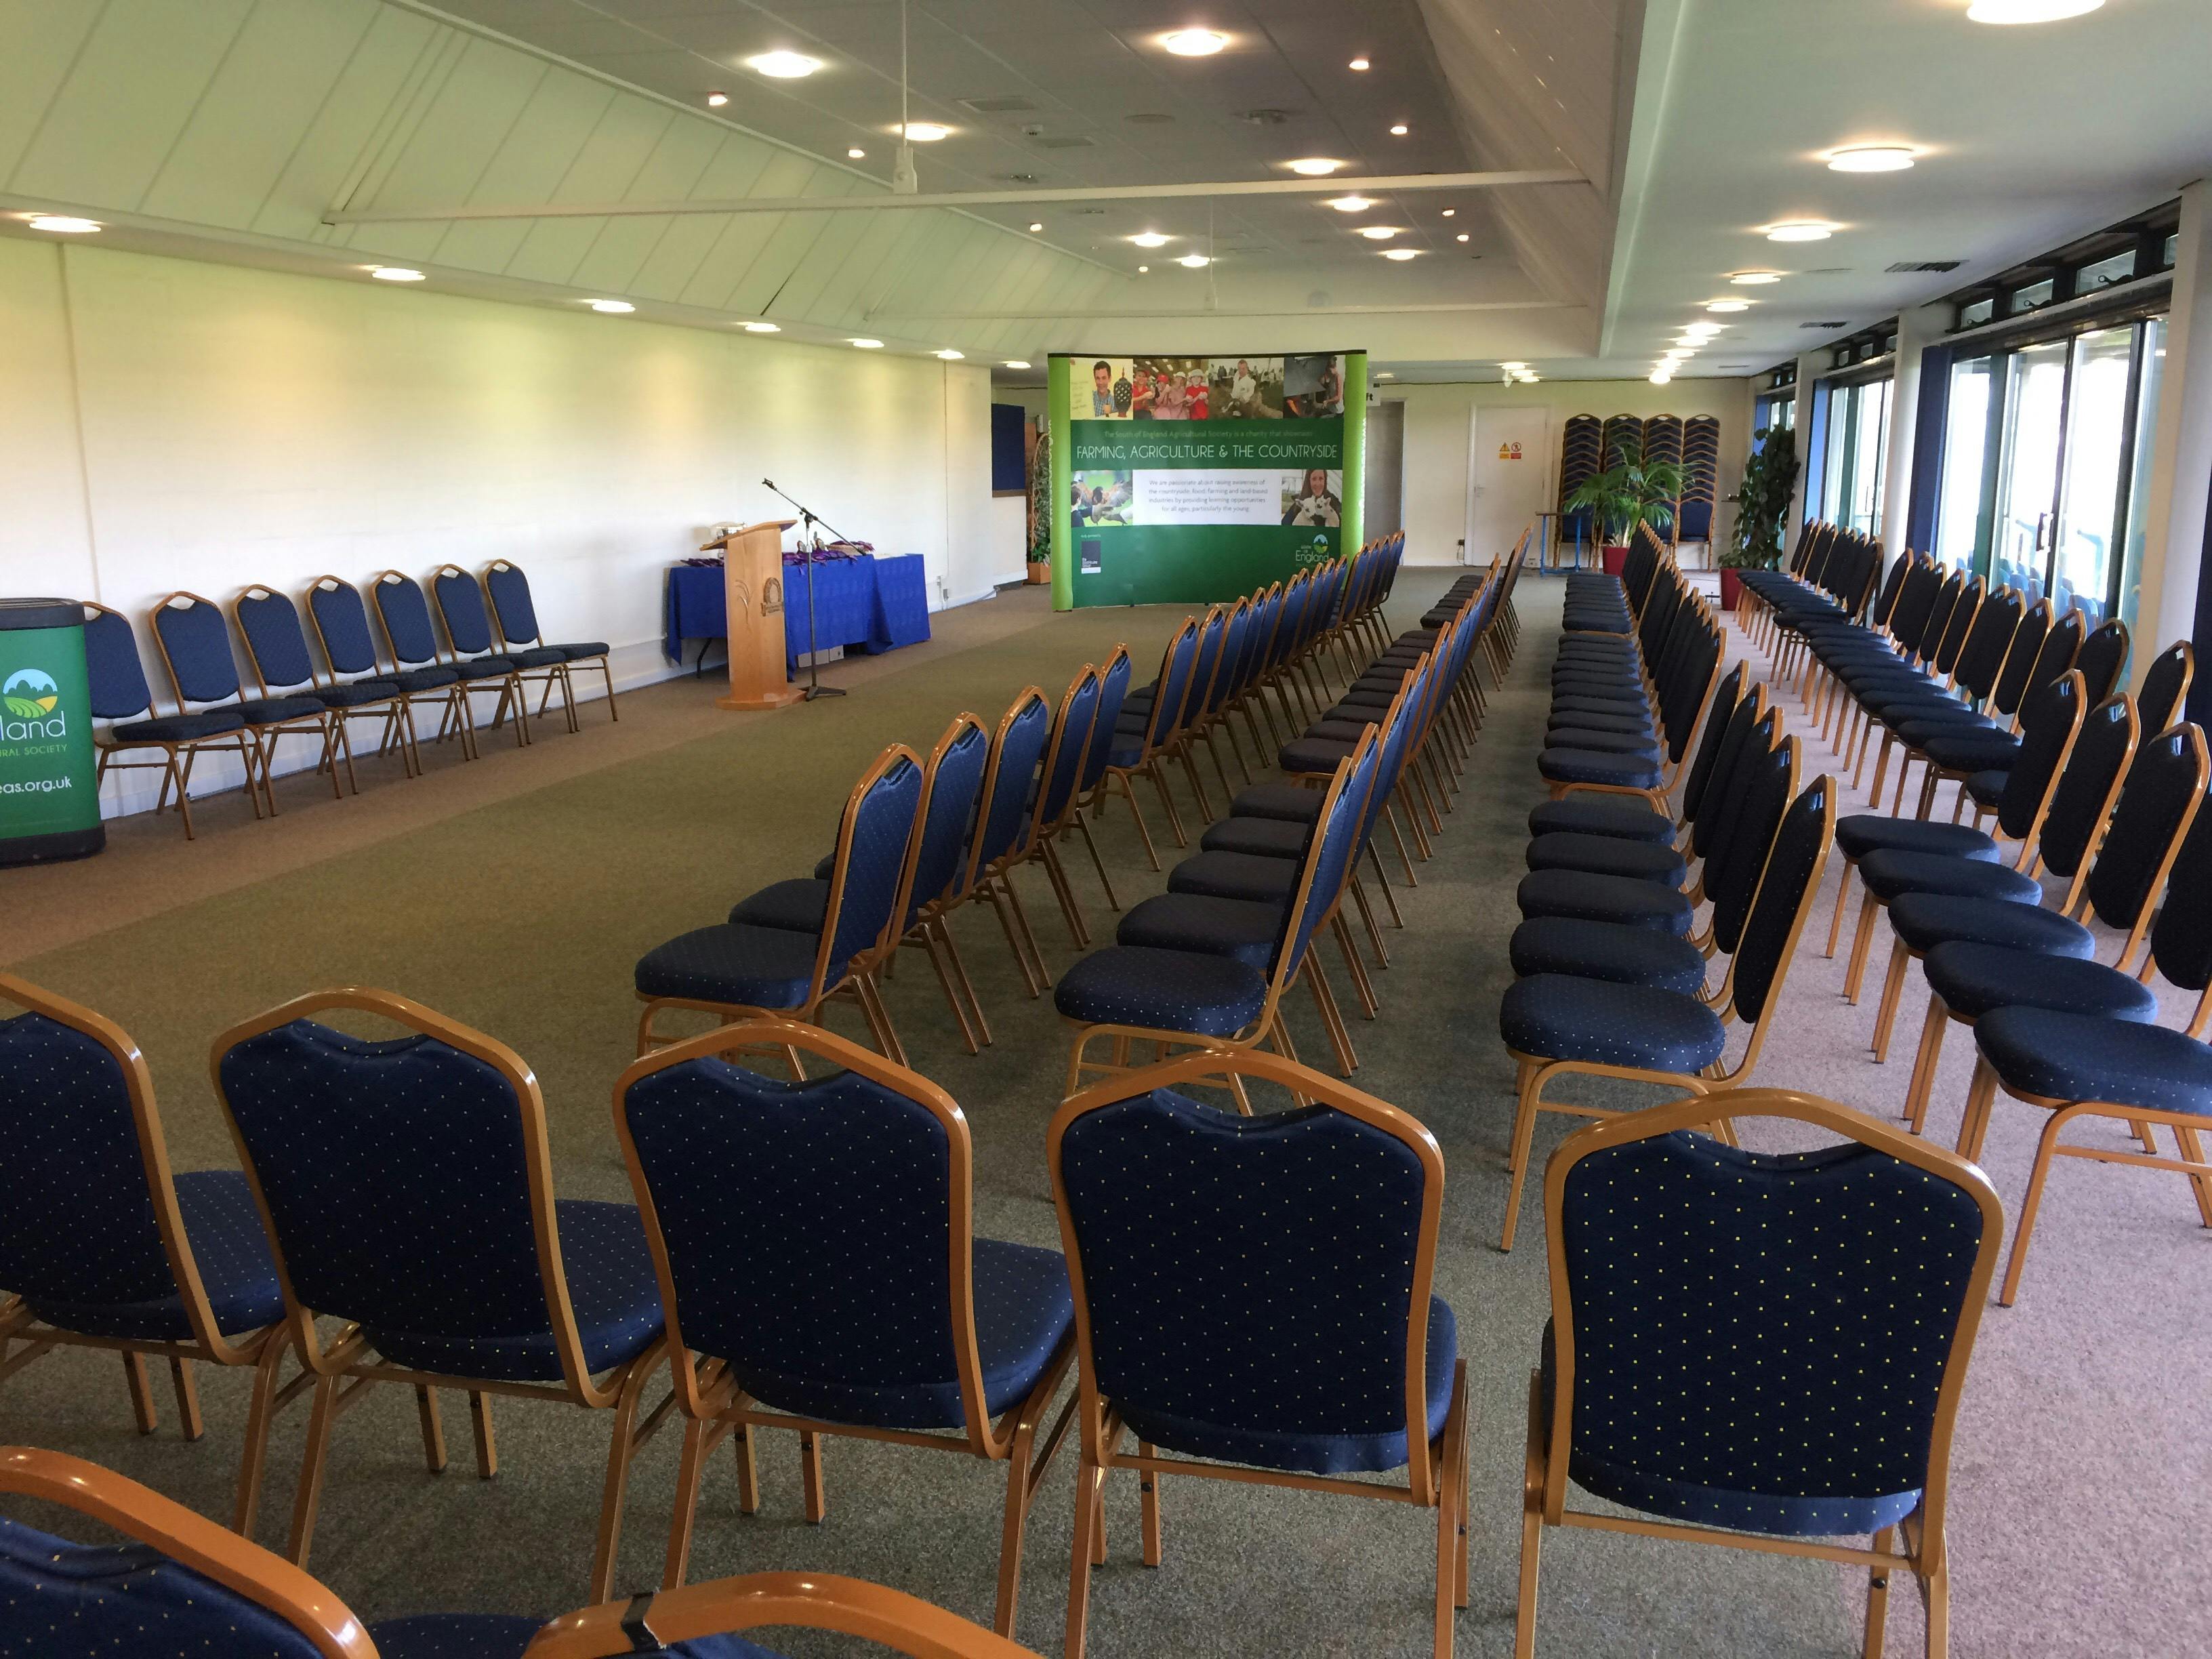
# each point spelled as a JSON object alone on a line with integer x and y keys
{"x": 1604, "y": 898}
{"x": 1973, "y": 979}
{"x": 740, "y": 966}
{"x": 797, "y": 906}
{"x": 1972, "y": 751}
{"x": 1889, "y": 873}
{"x": 1608, "y": 950}
{"x": 435, "y": 677}
{"x": 1291, "y": 801}
{"x": 236, "y": 1269}
{"x": 1570, "y": 736}
{"x": 1581, "y": 703}
{"x": 1608, "y": 855}
{"x": 1356, "y": 715}
{"x": 1271, "y": 838}
{"x": 1919, "y": 731}
{"x": 611, "y": 1286}
{"x": 1236, "y": 875}
{"x": 1244, "y": 929}
{"x": 1313, "y": 1453}
{"x": 1924, "y": 921}
{"x": 2062, "y": 1056}
{"x": 1313, "y": 754}
{"x": 1986, "y": 787}
{"x": 1163, "y": 990}
{"x": 483, "y": 668}
{"x": 354, "y": 693}
{"x": 274, "y": 711}
{"x": 179, "y": 728}
{"x": 1560, "y": 1017}
{"x": 1601, "y": 815}
{"x": 1329, "y": 729}
{"x": 1635, "y": 771}
{"x": 1863, "y": 833}
{"x": 503, "y": 1636}
{"x": 578, "y": 650}
{"x": 1025, "y": 1311}
{"x": 1124, "y": 755}
{"x": 539, "y": 656}
{"x": 1639, "y": 724}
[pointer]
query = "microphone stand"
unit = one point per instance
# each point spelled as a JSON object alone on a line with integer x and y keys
{"x": 815, "y": 689}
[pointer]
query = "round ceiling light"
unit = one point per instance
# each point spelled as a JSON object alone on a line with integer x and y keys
{"x": 1150, "y": 238}
{"x": 783, "y": 65}
{"x": 1800, "y": 230}
{"x": 869, "y": 345}
{"x": 856, "y": 153}
{"x": 1661, "y": 376}
{"x": 1871, "y": 158}
{"x": 1380, "y": 233}
{"x": 1728, "y": 305}
{"x": 1314, "y": 167}
{"x": 2029, "y": 11}
{"x": 63, "y": 224}
{"x": 1037, "y": 225}
{"x": 1351, "y": 203}
{"x": 1461, "y": 237}
{"x": 1194, "y": 262}
{"x": 1754, "y": 278}
{"x": 1358, "y": 64}
{"x": 1401, "y": 253}
{"x": 950, "y": 356}
{"x": 716, "y": 100}
{"x": 925, "y": 132}
{"x": 613, "y": 308}
{"x": 1399, "y": 131}
{"x": 763, "y": 328}
{"x": 1193, "y": 43}
{"x": 394, "y": 274}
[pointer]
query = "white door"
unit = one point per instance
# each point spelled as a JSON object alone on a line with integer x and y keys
{"x": 1508, "y": 477}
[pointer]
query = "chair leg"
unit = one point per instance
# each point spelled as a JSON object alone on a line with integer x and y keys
{"x": 480, "y": 1425}
{"x": 1451, "y": 1523}
{"x": 2045, "y": 1150}
{"x": 1097, "y": 863}
{"x": 960, "y": 972}
{"x": 1129, "y": 794}
{"x": 1022, "y": 922}
{"x": 1158, "y": 774}
{"x": 929, "y": 943}
{"x": 1524, "y": 1136}
{"x": 1924, "y": 1062}
{"x": 434, "y": 1432}
{"x": 260, "y": 1409}
{"x": 141, "y": 1392}
{"x": 1981, "y": 1095}
{"x": 1532, "y": 1532}
{"x": 1861, "y": 940}
{"x": 622, "y": 1447}
{"x": 810, "y": 1477}
{"x": 1836, "y": 921}
{"x": 1877, "y": 1611}
{"x": 310, "y": 1494}
{"x": 1090, "y": 1545}
{"x": 1892, "y": 987}
{"x": 690, "y": 1470}
{"x": 1148, "y": 1488}
{"x": 1935, "y": 1596}
{"x": 1070, "y": 911}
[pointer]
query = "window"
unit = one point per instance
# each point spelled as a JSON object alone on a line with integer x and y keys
{"x": 2131, "y": 540}
{"x": 2030, "y": 296}
{"x": 2105, "y": 272}
{"x": 1856, "y": 461}
{"x": 1961, "y": 512}
{"x": 1980, "y": 311}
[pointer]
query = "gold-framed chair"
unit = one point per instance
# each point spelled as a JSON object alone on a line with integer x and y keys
{"x": 445, "y": 1266}
{"x": 507, "y": 588}
{"x": 1726, "y": 1330}
{"x": 117, "y": 679}
{"x": 193, "y": 639}
{"x": 807, "y": 1601}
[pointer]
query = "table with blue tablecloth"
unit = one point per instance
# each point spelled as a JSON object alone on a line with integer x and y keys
{"x": 866, "y": 603}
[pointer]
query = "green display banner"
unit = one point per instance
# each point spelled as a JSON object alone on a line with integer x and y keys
{"x": 49, "y": 794}
{"x": 1190, "y": 480}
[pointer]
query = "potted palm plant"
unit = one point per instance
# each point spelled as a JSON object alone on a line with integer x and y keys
{"x": 1631, "y": 492}
{"x": 1762, "y": 504}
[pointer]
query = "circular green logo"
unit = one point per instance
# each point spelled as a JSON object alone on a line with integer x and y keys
{"x": 29, "y": 693}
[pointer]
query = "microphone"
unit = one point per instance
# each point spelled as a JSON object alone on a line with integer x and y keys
{"x": 770, "y": 482}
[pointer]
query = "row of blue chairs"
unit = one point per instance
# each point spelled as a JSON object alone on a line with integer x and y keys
{"x": 491, "y": 646}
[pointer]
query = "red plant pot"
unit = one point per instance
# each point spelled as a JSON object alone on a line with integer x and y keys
{"x": 1731, "y": 586}
{"x": 1616, "y": 560}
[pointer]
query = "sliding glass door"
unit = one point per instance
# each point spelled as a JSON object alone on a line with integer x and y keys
{"x": 1857, "y": 455}
{"x": 2089, "y": 500}
{"x": 2027, "y": 467}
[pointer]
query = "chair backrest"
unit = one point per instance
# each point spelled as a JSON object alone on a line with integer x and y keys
{"x": 874, "y": 839}
{"x": 818, "y": 1236}
{"x": 407, "y": 1181}
{"x": 1205, "y": 668}
{"x": 1788, "y": 1330}
{"x": 1785, "y": 893}
{"x": 953, "y": 785}
{"x": 406, "y": 617}
{"x": 2048, "y": 723}
{"x": 1947, "y": 601}
{"x": 1175, "y": 664}
{"x": 1335, "y": 843}
{"x": 1751, "y": 729}
{"x": 1063, "y": 759}
{"x": 2181, "y": 938}
{"x": 2021, "y": 657}
{"x": 1961, "y": 623}
{"x": 1722, "y": 709}
{"x": 2060, "y": 647}
{"x": 1224, "y": 679}
{"x": 341, "y": 623}
{"x": 276, "y": 643}
{"x": 1766, "y": 782}
{"x": 115, "y": 677}
{"x": 1893, "y": 584}
{"x": 2166, "y": 782}
{"x": 1689, "y": 686}
{"x": 91, "y": 1221}
{"x": 2088, "y": 785}
{"x": 1001, "y": 827}
{"x": 1982, "y": 658}
{"x": 1334, "y": 1205}
{"x": 461, "y": 603}
{"x": 510, "y": 603}
{"x": 2102, "y": 658}
{"x": 194, "y": 643}
{"x": 2166, "y": 685}
{"x": 1113, "y": 693}
{"x": 1924, "y": 585}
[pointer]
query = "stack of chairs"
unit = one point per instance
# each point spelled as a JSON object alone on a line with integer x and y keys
{"x": 1701, "y": 469}
{"x": 1662, "y": 442}
{"x": 1580, "y": 449}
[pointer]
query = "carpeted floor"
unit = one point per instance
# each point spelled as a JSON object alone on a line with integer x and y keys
{"x": 515, "y": 895}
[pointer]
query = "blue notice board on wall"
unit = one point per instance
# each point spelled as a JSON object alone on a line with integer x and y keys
{"x": 1009, "y": 467}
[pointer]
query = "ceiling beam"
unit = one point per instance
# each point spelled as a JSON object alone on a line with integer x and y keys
{"x": 1233, "y": 311}
{"x": 963, "y": 198}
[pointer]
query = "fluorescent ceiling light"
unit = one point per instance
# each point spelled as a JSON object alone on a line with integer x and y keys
{"x": 1193, "y": 43}
{"x": 1351, "y": 203}
{"x": 394, "y": 274}
{"x": 763, "y": 328}
{"x": 1194, "y": 262}
{"x": 1401, "y": 253}
{"x": 783, "y": 65}
{"x": 2029, "y": 11}
{"x": 950, "y": 356}
{"x": 1728, "y": 305}
{"x": 613, "y": 308}
{"x": 1660, "y": 377}
{"x": 716, "y": 100}
{"x": 1399, "y": 131}
{"x": 1384, "y": 374}
{"x": 1755, "y": 278}
{"x": 1871, "y": 158}
{"x": 1314, "y": 167}
{"x": 856, "y": 153}
{"x": 1800, "y": 230}
{"x": 63, "y": 224}
{"x": 1513, "y": 368}
{"x": 925, "y": 132}
{"x": 1151, "y": 239}
{"x": 1358, "y": 64}
{"x": 1014, "y": 362}
{"x": 1380, "y": 233}
{"x": 869, "y": 345}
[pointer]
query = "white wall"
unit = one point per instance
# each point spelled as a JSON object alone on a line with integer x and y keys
{"x": 167, "y": 424}
{"x": 1439, "y": 420}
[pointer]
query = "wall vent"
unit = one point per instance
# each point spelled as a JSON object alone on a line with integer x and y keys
{"x": 1064, "y": 140}
{"x": 1906, "y": 267}
{"x": 1149, "y": 117}
{"x": 999, "y": 106}
{"x": 1839, "y": 324}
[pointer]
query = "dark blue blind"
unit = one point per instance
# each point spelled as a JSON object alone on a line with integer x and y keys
{"x": 1008, "y": 469}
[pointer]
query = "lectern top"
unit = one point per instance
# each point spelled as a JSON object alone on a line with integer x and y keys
{"x": 777, "y": 525}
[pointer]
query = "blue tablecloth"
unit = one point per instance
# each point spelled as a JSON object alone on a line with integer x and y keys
{"x": 864, "y": 604}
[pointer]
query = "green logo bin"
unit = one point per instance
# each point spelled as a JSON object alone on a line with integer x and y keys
{"x": 49, "y": 793}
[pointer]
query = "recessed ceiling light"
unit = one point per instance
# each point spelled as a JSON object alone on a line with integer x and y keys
{"x": 1701, "y": 329}
{"x": 1513, "y": 368}
{"x": 1530, "y": 377}
{"x": 1400, "y": 130}
{"x": 716, "y": 100}
{"x": 1014, "y": 362}
{"x": 925, "y": 132}
{"x": 783, "y": 65}
{"x": 2029, "y": 11}
{"x": 1150, "y": 238}
{"x": 1401, "y": 253}
{"x": 1661, "y": 376}
{"x": 763, "y": 328}
{"x": 613, "y": 308}
{"x": 1314, "y": 167}
{"x": 1384, "y": 374}
{"x": 1351, "y": 203}
{"x": 1461, "y": 237}
{"x": 1755, "y": 278}
{"x": 1871, "y": 158}
{"x": 856, "y": 153}
{"x": 62, "y": 224}
{"x": 1728, "y": 305}
{"x": 1800, "y": 230}
{"x": 1193, "y": 43}
{"x": 869, "y": 345}
{"x": 1036, "y": 224}
{"x": 1450, "y": 211}
{"x": 394, "y": 274}
{"x": 1358, "y": 64}
{"x": 1379, "y": 233}
{"x": 1194, "y": 262}
{"x": 950, "y": 356}
{"x": 1142, "y": 270}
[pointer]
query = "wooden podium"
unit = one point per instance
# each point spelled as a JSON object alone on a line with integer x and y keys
{"x": 752, "y": 590}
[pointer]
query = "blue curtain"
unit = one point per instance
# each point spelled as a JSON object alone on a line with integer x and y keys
{"x": 1008, "y": 469}
{"x": 1928, "y": 431}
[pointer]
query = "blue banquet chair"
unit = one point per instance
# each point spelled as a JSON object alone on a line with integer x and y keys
{"x": 407, "y": 1185}
{"x": 935, "y": 880}
{"x": 508, "y": 589}
{"x": 468, "y": 631}
{"x": 1114, "y": 676}
{"x": 340, "y": 620}
{"x": 1203, "y": 1246}
{"x": 829, "y": 935}
{"x": 1757, "y": 1350}
{"x": 101, "y": 1246}
{"x": 1058, "y": 795}
{"x": 818, "y": 1260}
{"x": 413, "y": 640}
{"x": 1146, "y": 730}
{"x": 184, "y": 1588}
{"x": 194, "y": 640}
{"x": 1003, "y": 825}
{"x": 120, "y": 694}
{"x": 277, "y": 650}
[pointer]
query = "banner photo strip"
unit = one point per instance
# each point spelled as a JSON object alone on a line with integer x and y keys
{"x": 1190, "y": 480}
